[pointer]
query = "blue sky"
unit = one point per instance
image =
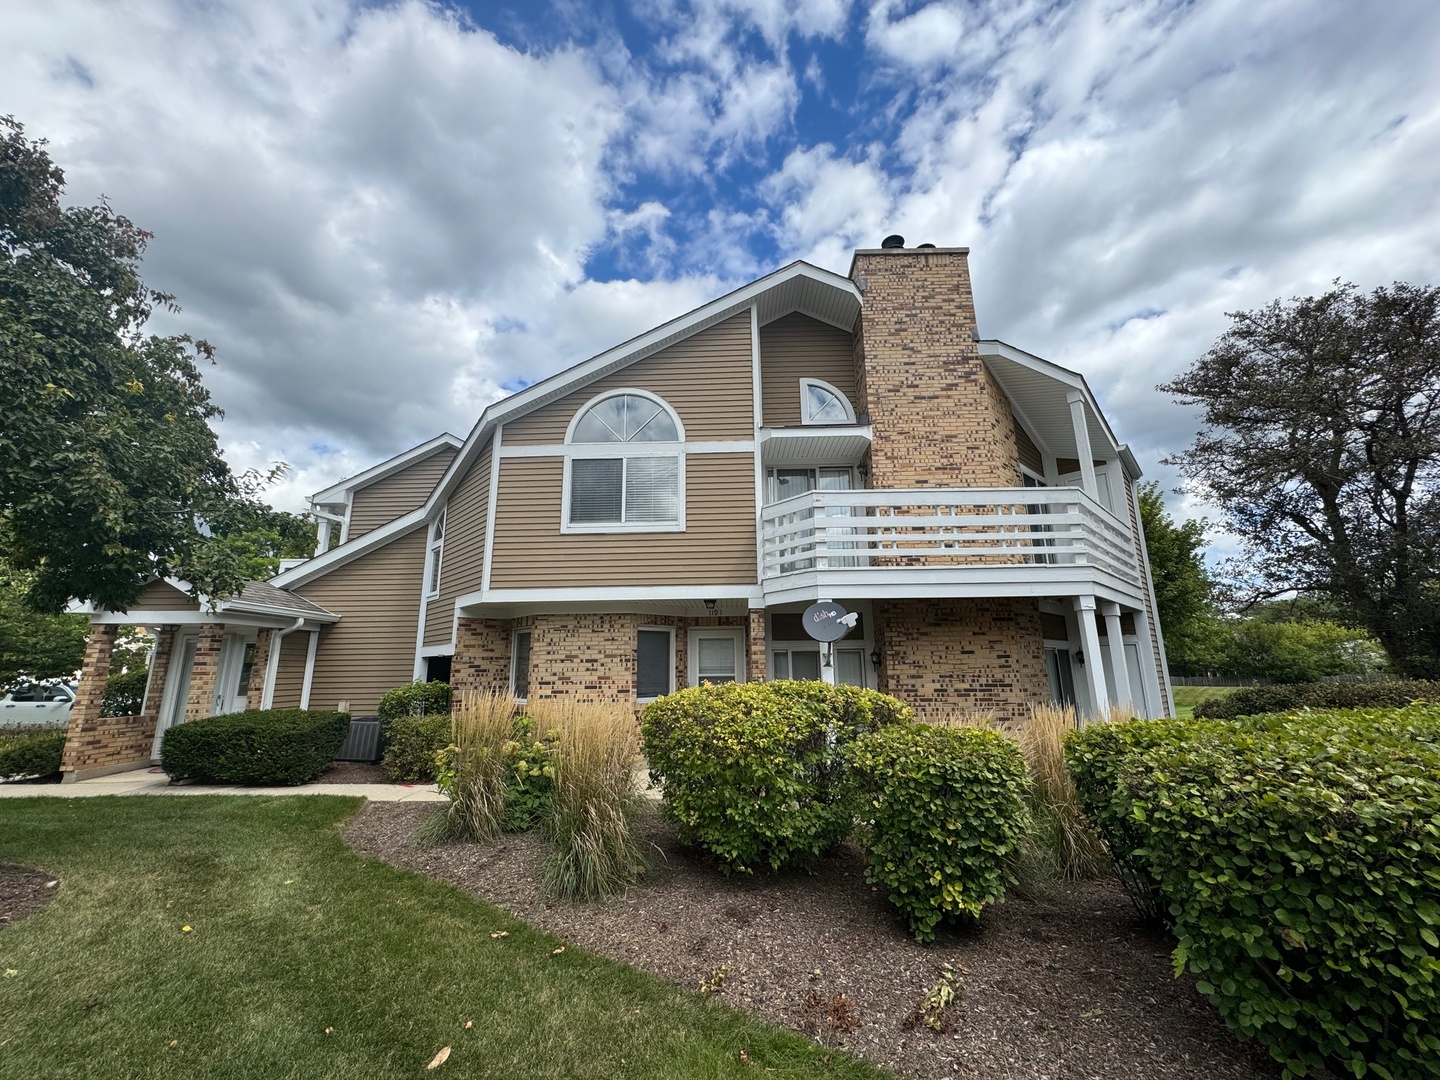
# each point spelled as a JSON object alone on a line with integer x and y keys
{"x": 386, "y": 215}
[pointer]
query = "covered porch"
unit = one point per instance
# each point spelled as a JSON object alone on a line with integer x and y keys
{"x": 208, "y": 658}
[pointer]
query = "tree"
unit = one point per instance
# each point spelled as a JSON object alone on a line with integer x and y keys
{"x": 110, "y": 474}
{"x": 1182, "y": 584}
{"x": 32, "y": 645}
{"x": 1321, "y": 446}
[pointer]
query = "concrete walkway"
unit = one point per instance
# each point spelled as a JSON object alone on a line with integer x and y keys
{"x": 153, "y": 781}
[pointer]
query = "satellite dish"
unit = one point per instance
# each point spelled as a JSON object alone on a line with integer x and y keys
{"x": 828, "y": 621}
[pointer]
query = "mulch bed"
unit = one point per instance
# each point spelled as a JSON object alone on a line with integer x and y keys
{"x": 353, "y": 772}
{"x": 23, "y": 891}
{"x": 1065, "y": 987}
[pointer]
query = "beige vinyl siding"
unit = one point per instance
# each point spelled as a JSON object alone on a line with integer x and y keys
{"x": 1030, "y": 455}
{"x": 374, "y": 504}
{"x": 705, "y": 378}
{"x": 717, "y": 546}
{"x": 372, "y": 647}
{"x": 462, "y": 567}
{"x": 162, "y": 596}
{"x": 290, "y": 674}
{"x": 798, "y": 347}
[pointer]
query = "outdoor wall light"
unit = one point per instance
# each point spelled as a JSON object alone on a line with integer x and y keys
{"x": 1079, "y": 658}
{"x": 875, "y": 659}
{"x": 710, "y": 606}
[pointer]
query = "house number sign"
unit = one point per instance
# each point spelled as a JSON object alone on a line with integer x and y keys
{"x": 827, "y": 621}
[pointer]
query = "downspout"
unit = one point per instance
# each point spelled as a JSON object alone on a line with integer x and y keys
{"x": 272, "y": 663}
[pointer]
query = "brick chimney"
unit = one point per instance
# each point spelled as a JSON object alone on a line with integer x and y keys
{"x": 940, "y": 419}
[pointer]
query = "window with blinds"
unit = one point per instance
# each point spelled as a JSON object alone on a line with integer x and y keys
{"x": 626, "y": 483}
{"x": 653, "y": 666}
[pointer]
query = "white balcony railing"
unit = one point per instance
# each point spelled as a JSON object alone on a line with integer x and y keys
{"x": 942, "y": 528}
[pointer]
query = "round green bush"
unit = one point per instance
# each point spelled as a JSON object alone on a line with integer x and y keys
{"x": 1300, "y": 860}
{"x": 124, "y": 693}
{"x": 755, "y": 773}
{"x": 414, "y": 699}
{"x": 259, "y": 746}
{"x": 411, "y": 743}
{"x": 946, "y": 809}
{"x": 31, "y": 751}
{"x": 1258, "y": 700}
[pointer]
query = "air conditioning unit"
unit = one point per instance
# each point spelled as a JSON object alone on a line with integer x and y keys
{"x": 362, "y": 742}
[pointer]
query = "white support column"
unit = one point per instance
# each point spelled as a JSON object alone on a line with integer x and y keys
{"x": 272, "y": 664}
{"x": 309, "y": 669}
{"x": 322, "y": 541}
{"x": 1120, "y": 694}
{"x": 1081, "y": 425}
{"x": 1149, "y": 675}
{"x": 1093, "y": 667}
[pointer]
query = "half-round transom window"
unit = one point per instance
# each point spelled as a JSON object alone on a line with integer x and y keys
{"x": 625, "y": 418}
{"x": 823, "y": 404}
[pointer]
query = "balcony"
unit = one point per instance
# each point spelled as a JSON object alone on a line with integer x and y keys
{"x": 937, "y": 542}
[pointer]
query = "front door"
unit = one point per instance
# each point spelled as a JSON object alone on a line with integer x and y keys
{"x": 177, "y": 690}
{"x": 237, "y": 656}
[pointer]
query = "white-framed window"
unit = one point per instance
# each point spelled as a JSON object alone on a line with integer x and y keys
{"x": 625, "y": 471}
{"x": 654, "y": 662}
{"x": 520, "y": 664}
{"x": 432, "y": 558}
{"x": 717, "y": 655}
{"x": 821, "y": 403}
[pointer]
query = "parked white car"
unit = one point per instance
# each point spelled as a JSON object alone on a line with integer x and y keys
{"x": 37, "y": 703}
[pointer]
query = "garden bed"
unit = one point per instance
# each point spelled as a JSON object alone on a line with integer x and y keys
{"x": 1069, "y": 986}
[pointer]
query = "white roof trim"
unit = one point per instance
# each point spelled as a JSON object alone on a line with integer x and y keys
{"x": 335, "y": 494}
{"x": 350, "y": 550}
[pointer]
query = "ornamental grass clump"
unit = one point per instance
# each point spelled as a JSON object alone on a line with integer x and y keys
{"x": 755, "y": 773}
{"x": 472, "y": 770}
{"x": 595, "y": 851}
{"x": 1063, "y": 846}
{"x": 944, "y": 812}
{"x": 1298, "y": 860}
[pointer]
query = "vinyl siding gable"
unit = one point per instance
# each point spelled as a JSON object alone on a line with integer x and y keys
{"x": 393, "y": 496}
{"x": 798, "y": 347}
{"x": 462, "y": 566}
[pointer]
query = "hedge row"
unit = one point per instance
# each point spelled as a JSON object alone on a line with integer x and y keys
{"x": 258, "y": 746}
{"x": 30, "y": 751}
{"x": 1255, "y": 700}
{"x": 1299, "y": 860}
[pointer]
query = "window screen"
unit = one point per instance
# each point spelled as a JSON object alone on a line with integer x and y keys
{"x": 520, "y": 672}
{"x": 652, "y": 664}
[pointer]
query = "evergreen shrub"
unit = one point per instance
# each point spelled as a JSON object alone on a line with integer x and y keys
{"x": 755, "y": 773}
{"x": 31, "y": 751}
{"x": 1257, "y": 700}
{"x": 1299, "y": 861}
{"x": 257, "y": 746}
{"x": 946, "y": 810}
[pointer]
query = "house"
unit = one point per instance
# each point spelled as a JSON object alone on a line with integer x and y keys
{"x": 662, "y": 513}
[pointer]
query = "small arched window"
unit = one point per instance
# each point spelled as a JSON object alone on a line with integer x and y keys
{"x": 623, "y": 467}
{"x": 821, "y": 403}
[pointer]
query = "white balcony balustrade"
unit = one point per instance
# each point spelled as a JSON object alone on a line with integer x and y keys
{"x": 947, "y": 541}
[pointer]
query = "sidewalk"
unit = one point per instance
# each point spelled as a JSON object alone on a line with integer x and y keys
{"x": 152, "y": 781}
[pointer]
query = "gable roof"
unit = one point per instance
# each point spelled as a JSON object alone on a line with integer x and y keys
{"x": 335, "y": 493}
{"x": 799, "y": 286}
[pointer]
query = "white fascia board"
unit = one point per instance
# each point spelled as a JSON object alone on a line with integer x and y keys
{"x": 1132, "y": 467}
{"x": 619, "y": 595}
{"x": 200, "y": 618}
{"x": 1072, "y": 379}
{"x": 335, "y": 494}
{"x": 923, "y": 582}
{"x": 350, "y": 550}
{"x": 620, "y": 356}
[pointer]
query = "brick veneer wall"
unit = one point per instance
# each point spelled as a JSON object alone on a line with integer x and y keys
{"x": 951, "y": 657}
{"x": 255, "y": 688}
{"x": 201, "y": 700}
{"x": 84, "y": 738}
{"x": 482, "y": 656}
{"x": 939, "y": 417}
{"x": 755, "y": 645}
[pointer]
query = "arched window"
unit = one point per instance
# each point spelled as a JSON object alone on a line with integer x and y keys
{"x": 624, "y": 467}
{"x": 821, "y": 403}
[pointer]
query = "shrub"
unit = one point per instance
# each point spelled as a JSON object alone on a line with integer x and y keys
{"x": 414, "y": 699}
{"x": 31, "y": 751}
{"x": 258, "y": 746}
{"x": 529, "y": 776}
{"x": 947, "y": 810}
{"x": 1255, "y": 700}
{"x": 594, "y": 851}
{"x": 1300, "y": 857}
{"x": 411, "y": 743}
{"x": 755, "y": 773}
{"x": 124, "y": 693}
{"x": 472, "y": 769}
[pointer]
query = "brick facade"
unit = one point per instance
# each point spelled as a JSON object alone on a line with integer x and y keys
{"x": 84, "y": 738}
{"x": 482, "y": 656}
{"x": 939, "y": 417}
{"x": 260, "y": 662}
{"x": 951, "y": 657}
{"x": 755, "y": 646}
{"x": 201, "y": 700}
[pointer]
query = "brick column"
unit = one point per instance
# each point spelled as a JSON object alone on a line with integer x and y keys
{"x": 482, "y": 656}
{"x": 159, "y": 672}
{"x": 206, "y": 670}
{"x": 755, "y": 640}
{"x": 255, "y": 688}
{"x": 82, "y": 734}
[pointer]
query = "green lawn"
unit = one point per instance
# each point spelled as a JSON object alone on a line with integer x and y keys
{"x": 307, "y": 960}
{"x": 1187, "y": 697}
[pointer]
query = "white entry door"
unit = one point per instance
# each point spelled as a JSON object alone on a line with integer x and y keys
{"x": 177, "y": 690}
{"x": 237, "y": 656}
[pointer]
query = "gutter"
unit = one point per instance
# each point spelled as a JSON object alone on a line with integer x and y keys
{"x": 272, "y": 662}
